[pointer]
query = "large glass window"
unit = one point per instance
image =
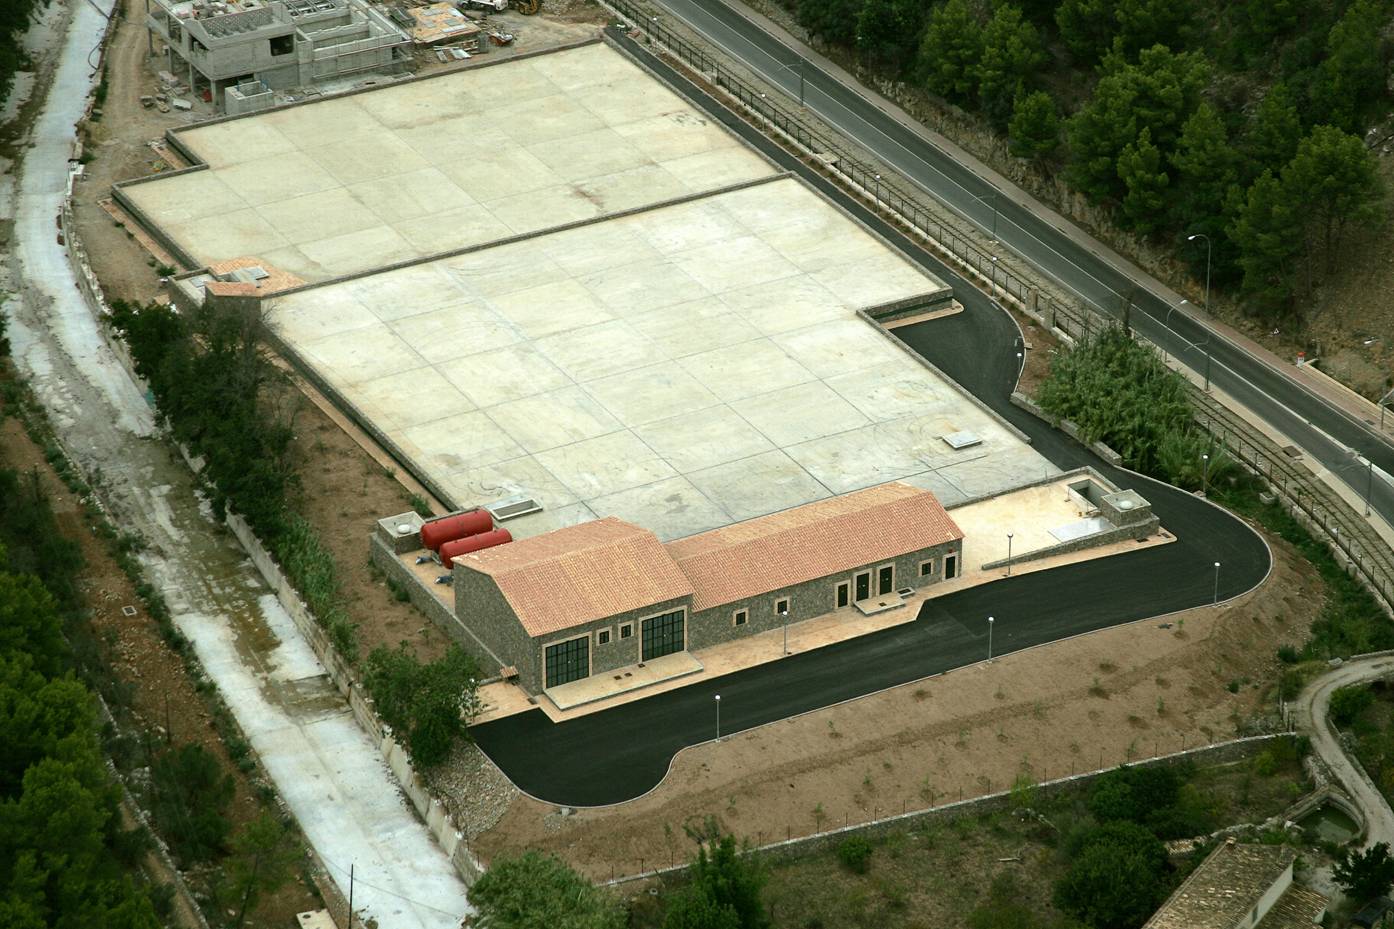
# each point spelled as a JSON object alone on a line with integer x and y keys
{"x": 568, "y": 661}
{"x": 663, "y": 635}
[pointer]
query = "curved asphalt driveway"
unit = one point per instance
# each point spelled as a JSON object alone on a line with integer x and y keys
{"x": 1313, "y": 706}
{"x": 621, "y": 753}
{"x": 1328, "y": 434}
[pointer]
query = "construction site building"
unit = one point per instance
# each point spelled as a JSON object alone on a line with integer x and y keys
{"x": 254, "y": 47}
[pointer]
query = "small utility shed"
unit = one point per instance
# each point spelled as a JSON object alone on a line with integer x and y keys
{"x": 607, "y": 594}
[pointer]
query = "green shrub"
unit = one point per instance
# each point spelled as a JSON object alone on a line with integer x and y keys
{"x": 855, "y": 854}
{"x": 1347, "y": 703}
{"x": 429, "y": 705}
{"x": 191, "y": 794}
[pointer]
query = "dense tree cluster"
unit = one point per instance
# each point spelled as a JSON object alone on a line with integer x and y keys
{"x": 64, "y": 856}
{"x": 1239, "y": 122}
{"x": 15, "y": 16}
{"x": 430, "y": 703}
{"x": 1119, "y": 392}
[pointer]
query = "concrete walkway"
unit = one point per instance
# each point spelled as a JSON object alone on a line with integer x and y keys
{"x": 1312, "y": 709}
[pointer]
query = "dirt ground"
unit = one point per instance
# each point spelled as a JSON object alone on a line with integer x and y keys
{"x": 162, "y": 695}
{"x": 1098, "y": 700}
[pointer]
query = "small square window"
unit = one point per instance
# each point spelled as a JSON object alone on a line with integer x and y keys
{"x": 781, "y": 606}
{"x": 926, "y": 568}
{"x": 626, "y": 630}
{"x": 282, "y": 44}
{"x": 602, "y": 637}
{"x": 740, "y": 617}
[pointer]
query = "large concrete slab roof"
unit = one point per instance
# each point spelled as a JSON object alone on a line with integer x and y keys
{"x": 681, "y": 368}
{"x": 353, "y": 183}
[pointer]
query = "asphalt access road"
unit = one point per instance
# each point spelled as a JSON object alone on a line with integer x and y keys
{"x": 1327, "y": 434}
{"x": 618, "y": 754}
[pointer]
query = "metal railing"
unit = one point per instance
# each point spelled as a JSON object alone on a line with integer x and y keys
{"x": 1346, "y": 532}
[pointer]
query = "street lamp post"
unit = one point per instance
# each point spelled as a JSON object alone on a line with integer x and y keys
{"x": 1166, "y": 322}
{"x": 718, "y": 717}
{"x": 1192, "y": 238}
{"x": 1205, "y": 345}
{"x": 784, "y": 617}
{"x": 1205, "y": 475}
{"x": 993, "y": 195}
{"x": 1217, "y": 583}
{"x": 989, "y": 638}
{"x": 1009, "y": 554}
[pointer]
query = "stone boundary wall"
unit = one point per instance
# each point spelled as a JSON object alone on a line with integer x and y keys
{"x": 1219, "y": 753}
{"x": 391, "y": 565}
{"x": 432, "y": 811}
{"x": 1106, "y": 537}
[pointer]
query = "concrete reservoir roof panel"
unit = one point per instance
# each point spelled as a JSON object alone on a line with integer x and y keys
{"x": 348, "y": 184}
{"x": 682, "y": 368}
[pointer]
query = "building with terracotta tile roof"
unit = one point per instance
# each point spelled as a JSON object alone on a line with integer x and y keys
{"x": 821, "y": 539}
{"x": 1240, "y": 885}
{"x": 607, "y": 594}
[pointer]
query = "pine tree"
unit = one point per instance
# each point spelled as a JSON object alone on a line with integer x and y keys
{"x": 1159, "y": 92}
{"x": 1351, "y": 81}
{"x": 1144, "y": 23}
{"x": 951, "y": 50}
{"x": 1334, "y": 182}
{"x": 1034, "y": 131}
{"x": 1012, "y": 54}
{"x": 888, "y": 31}
{"x": 1087, "y": 27}
{"x": 1146, "y": 181}
{"x": 834, "y": 21}
{"x": 1268, "y": 234}
{"x": 1205, "y": 165}
{"x": 1272, "y": 139}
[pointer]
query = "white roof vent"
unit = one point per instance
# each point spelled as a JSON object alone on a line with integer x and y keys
{"x": 962, "y": 440}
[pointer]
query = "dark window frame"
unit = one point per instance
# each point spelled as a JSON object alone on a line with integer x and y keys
{"x": 842, "y": 594}
{"x": 787, "y": 608}
{"x": 566, "y": 661}
{"x": 662, "y": 634}
{"x": 602, "y": 637}
{"x": 740, "y": 617}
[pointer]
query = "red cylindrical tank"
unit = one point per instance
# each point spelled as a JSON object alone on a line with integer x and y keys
{"x": 437, "y": 532}
{"x": 472, "y": 543}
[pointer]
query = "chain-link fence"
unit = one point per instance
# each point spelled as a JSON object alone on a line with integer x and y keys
{"x": 1345, "y": 530}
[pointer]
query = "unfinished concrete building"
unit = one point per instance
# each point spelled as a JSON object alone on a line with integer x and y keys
{"x": 239, "y": 53}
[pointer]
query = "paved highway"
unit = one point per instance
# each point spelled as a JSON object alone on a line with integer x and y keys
{"x": 618, "y": 754}
{"x": 1327, "y": 434}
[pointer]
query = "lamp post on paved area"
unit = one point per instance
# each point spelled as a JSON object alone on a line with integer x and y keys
{"x": 1205, "y": 475}
{"x": 989, "y": 638}
{"x": 1217, "y": 583}
{"x": 1009, "y": 554}
{"x": 784, "y": 615}
{"x": 1192, "y": 238}
{"x": 799, "y": 66}
{"x": 1166, "y": 322}
{"x": 718, "y": 717}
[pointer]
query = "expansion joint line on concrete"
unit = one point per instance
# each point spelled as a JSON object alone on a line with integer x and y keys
{"x": 540, "y": 233}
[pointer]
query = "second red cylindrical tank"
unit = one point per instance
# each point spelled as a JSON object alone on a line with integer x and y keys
{"x": 472, "y": 543}
{"x": 437, "y": 532}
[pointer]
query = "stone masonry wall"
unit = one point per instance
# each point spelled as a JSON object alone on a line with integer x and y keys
{"x": 714, "y": 625}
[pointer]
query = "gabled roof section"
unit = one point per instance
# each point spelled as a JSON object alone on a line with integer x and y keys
{"x": 807, "y": 542}
{"x": 1224, "y": 888}
{"x": 578, "y": 574}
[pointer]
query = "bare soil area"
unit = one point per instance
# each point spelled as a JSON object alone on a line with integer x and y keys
{"x": 1122, "y": 694}
{"x": 163, "y": 702}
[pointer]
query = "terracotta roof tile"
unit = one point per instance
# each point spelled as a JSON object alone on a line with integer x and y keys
{"x": 578, "y": 574}
{"x": 1224, "y": 888}
{"x": 811, "y": 541}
